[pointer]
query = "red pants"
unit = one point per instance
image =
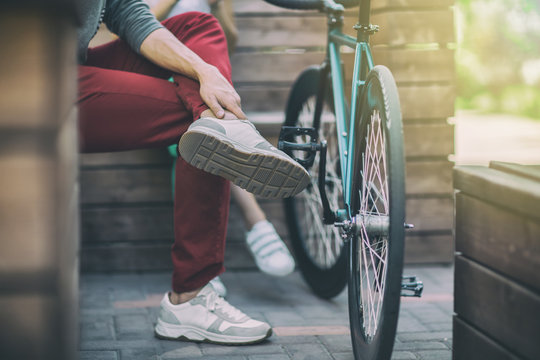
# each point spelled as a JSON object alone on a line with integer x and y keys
{"x": 125, "y": 102}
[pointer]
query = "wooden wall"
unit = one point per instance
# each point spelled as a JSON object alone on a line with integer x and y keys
{"x": 126, "y": 206}
{"x": 497, "y": 267}
{"x": 38, "y": 176}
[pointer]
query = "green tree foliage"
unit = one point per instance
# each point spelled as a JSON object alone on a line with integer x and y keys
{"x": 498, "y": 56}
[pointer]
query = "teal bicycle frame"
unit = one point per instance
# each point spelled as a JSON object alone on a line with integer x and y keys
{"x": 363, "y": 63}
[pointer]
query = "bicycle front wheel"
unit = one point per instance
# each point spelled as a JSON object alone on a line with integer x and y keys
{"x": 319, "y": 248}
{"x": 378, "y": 203}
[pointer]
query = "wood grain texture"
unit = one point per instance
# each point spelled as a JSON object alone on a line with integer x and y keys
{"x": 469, "y": 343}
{"x": 497, "y": 306}
{"x": 515, "y": 193}
{"x": 499, "y": 239}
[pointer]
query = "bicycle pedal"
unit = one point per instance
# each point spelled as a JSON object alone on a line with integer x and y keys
{"x": 411, "y": 284}
{"x": 310, "y": 148}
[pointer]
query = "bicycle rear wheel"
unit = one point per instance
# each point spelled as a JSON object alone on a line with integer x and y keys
{"x": 379, "y": 205}
{"x": 319, "y": 248}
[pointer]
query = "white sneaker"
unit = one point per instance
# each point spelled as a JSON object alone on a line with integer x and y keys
{"x": 235, "y": 150}
{"x": 270, "y": 252}
{"x": 209, "y": 318}
{"x": 219, "y": 286}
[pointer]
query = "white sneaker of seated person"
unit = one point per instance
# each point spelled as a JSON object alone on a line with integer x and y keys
{"x": 235, "y": 150}
{"x": 270, "y": 252}
{"x": 208, "y": 318}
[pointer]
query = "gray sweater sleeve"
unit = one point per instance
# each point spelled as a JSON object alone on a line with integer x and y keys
{"x": 131, "y": 20}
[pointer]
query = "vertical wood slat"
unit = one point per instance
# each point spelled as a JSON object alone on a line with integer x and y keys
{"x": 38, "y": 171}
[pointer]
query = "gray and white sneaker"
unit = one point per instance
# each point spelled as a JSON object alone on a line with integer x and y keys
{"x": 209, "y": 318}
{"x": 235, "y": 150}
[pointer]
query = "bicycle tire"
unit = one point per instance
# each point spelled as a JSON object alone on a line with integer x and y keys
{"x": 309, "y": 4}
{"x": 377, "y": 255}
{"x": 324, "y": 272}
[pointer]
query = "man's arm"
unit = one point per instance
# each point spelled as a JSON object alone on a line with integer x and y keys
{"x": 164, "y": 49}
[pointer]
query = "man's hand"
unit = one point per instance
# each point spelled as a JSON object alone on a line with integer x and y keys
{"x": 218, "y": 93}
{"x": 164, "y": 49}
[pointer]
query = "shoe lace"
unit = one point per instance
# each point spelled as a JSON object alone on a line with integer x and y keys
{"x": 215, "y": 302}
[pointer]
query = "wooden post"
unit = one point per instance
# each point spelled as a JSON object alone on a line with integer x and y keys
{"x": 38, "y": 177}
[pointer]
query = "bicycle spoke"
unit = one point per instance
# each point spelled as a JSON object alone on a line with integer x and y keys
{"x": 323, "y": 242}
{"x": 374, "y": 202}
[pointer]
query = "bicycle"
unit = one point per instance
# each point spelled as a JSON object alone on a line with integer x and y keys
{"x": 355, "y": 155}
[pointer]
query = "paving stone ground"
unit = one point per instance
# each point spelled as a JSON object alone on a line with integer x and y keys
{"x": 117, "y": 313}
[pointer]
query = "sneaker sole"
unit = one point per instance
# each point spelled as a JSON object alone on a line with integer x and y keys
{"x": 194, "y": 334}
{"x": 260, "y": 172}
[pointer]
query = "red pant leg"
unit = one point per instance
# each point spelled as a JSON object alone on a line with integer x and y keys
{"x": 126, "y": 103}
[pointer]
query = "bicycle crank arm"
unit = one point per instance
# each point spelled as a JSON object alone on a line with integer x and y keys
{"x": 410, "y": 286}
{"x": 311, "y": 148}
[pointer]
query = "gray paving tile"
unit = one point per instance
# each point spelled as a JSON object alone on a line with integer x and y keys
{"x": 269, "y": 357}
{"x": 307, "y": 352}
{"x": 259, "y": 349}
{"x": 403, "y": 355}
{"x": 337, "y": 343}
{"x": 435, "y": 355}
{"x": 98, "y": 355}
{"x": 343, "y": 356}
{"x": 420, "y": 345}
{"x": 423, "y": 336}
{"x": 138, "y": 354}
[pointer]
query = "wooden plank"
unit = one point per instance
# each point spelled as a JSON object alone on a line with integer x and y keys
{"x": 414, "y": 27}
{"x": 151, "y": 257}
{"x": 428, "y": 214}
{"x": 250, "y": 8}
{"x": 429, "y": 248}
{"x": 127, "y": 257}
{"x": 137, "y": 224}
{"x": 429, "y": 177}
{"x": 418, "y": 102}
{"x": 264, "y": 97}
{"x": 499, "y": 239}
{"x": 281, "y": 31}
{"x": 495, "y": 305}
{"x": 417, "y": 66}
{"x": 278, "y": 67}
{"x": 126, "y": 185}
{"x": 380, "y": 4}
{"x": 431, "y": 139}
{"x": 526, "y": 171}
{"x": 408, "y": 66}
{"x": 509, "y": 191}
{"x": 247, "y": 8}
{"x": 122, "y": 158}
{"x": 469, "y": 343}
{"x": 152, "y": 185}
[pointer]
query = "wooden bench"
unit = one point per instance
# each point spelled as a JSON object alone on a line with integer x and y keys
{"x": 126, "y": 206}
{"x": 497, "y": 268}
